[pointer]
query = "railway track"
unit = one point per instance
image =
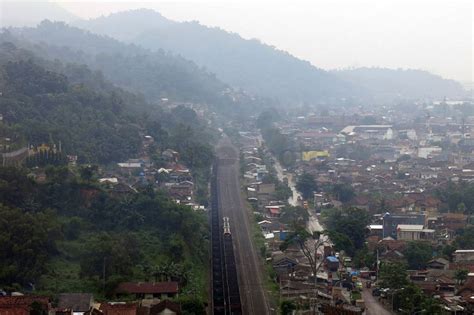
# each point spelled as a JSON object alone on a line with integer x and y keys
{"x": 240, "y": 261}
{"x": 225, "y": 285}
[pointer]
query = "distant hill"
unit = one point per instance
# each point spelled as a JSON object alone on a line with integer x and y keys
{"x": 389, "y": 84}
{"x": 125, "y": 26}
{"x": 265, "y": 70}
{"x": 154, "y": 74}
{"x": 31, "y": 13}
{"x": 247, "y": 64}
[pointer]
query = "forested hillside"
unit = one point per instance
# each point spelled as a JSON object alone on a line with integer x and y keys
{"x": 154, "y": 74}
{"x": 41, "y": 106}
{"x": 248, "y": 64}
{"x": 264, "y": 70}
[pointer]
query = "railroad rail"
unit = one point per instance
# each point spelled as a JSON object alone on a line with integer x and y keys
{"x": 225, "y": 286}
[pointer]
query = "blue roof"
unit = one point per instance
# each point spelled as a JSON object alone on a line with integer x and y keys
{"x": 332, "y": 259}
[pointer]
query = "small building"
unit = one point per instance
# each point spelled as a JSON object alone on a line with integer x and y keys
{"x": 464, "y": 255}
{"x": 438, "y": 263}
{"x": 381, "y": 132}
{"x": 273, "y": 211}
{"x": 413, "y": 232}
{"x": 282, "y": 263}
{"x": 332, "y": 263}
{"x": 391, "y": 222}
{"x": 77, "y": 303}
{"x": 108, "y": 180}
{"x": 170, "y": 155}
{"x": 130, "y": 165}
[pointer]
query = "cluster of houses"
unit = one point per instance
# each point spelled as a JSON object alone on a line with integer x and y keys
{"x": 294, "y": 274}
{"x": 393, "y": 162}
{"x": 143, "y": 298}
{"x": 171, "y": 175}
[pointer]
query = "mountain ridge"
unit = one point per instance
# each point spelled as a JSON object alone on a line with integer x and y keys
{"x": 218, "y": 50}
{"x": 257, "y": 67}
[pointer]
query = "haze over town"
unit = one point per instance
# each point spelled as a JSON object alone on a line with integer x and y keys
{"x": 236, "y": 157}
{"x": 431, "y": 35}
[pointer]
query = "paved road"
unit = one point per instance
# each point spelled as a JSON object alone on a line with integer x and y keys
{"x": 373, "y": 307}
{"x": 313, "y": 224}
{"x": 249, "y": 265}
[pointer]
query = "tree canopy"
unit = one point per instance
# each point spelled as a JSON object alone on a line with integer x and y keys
{"x": 347, "y": 228}
{"x": 306, "y": 185}
{"x": 417, "y": 254}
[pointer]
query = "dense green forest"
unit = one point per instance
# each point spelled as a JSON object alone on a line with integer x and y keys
{"x": 44, "y": 108}
{"x": 56, "y": 235}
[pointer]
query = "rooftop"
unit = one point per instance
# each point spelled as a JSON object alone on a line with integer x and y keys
{"x": 410, "y": 227}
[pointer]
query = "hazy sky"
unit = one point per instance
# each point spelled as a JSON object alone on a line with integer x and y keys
{"x": 434, "y": 35}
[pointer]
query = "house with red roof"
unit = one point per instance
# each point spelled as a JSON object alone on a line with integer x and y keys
{"x": 274, "y": 211}
{"x": 23, "y": 305}
{"x": 119, "y": 308}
